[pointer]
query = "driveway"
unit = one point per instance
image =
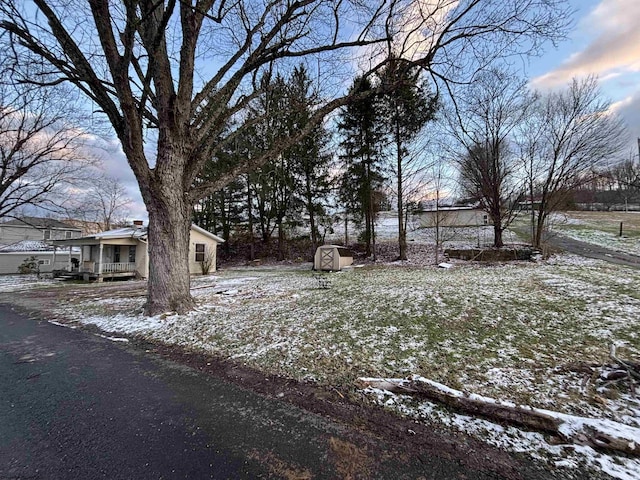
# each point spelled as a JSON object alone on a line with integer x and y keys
{"x": 590, "y": 250}
{"x": 75, "y": 405}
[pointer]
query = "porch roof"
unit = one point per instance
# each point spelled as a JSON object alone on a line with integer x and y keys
{"x": 134, "y": 234}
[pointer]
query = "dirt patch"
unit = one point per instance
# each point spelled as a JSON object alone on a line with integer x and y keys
{"x": 350, "y": 461}
{"x": 279, "y": 467}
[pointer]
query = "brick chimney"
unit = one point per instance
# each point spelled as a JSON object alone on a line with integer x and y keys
{"x": 137, "y": 223}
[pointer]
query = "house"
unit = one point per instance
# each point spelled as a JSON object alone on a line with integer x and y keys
{"x": 453, "y": 217}
{"x": 122, "y": 253}
{"x": 27, "y": 237}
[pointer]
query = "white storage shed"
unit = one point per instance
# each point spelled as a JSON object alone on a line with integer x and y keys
{"x": 332, "y": 258}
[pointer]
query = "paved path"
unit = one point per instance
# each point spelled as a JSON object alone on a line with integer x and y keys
{"x": 74, "y": 405}
{"x": 593, "y": 251}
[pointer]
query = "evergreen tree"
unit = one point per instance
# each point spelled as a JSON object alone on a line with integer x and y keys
{"x": 311, "y": 159}
{"x": 272, "y": 185}
{"x": 362, "y": 141}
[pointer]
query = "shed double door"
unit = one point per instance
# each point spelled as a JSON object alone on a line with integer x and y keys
{"x": 326, "y": 259}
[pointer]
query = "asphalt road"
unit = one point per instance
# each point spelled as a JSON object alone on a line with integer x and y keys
{"x": 74, "y": 405}
{"x": 590, "y": 250}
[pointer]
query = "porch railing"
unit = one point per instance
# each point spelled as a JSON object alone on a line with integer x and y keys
{"x": 121, "y": 267}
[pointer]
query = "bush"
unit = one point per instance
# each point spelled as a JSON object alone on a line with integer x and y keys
{"x": 30, "y": 265}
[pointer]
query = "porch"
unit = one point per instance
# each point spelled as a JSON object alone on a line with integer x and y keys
{"x": 91, "y": 271}
{"x": 106, "y": 260}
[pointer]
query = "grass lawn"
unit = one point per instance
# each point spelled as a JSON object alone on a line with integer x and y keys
{"x": 496, "y": 330}
{"x": 513, "y": 332}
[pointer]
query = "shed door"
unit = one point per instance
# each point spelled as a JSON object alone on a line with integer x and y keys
{"x": 326, "y": 259}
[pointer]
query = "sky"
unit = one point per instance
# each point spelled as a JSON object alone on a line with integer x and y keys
{"x": 605, "y": 41}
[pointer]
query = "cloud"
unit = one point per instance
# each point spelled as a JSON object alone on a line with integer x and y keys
{"x": 113, "y": 163}
{"x": 418, "y": 26}
{"x": 629, "y": 110}
{"x": 614, "y": 50}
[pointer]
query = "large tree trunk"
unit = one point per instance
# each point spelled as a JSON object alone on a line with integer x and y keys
{"x": 169, "y": 229}
{"x": 169, "y": 282}
{"x": 540, "y": 221}
{"x": 496, "y": 217}
{"x": 601, "y": 434}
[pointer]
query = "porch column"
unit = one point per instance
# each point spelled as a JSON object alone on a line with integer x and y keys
{"x": 69, "y": 267}
{"x": 81, "y": 258}
{"x": 55, "y": 249}
{"x": 100, "y": 260}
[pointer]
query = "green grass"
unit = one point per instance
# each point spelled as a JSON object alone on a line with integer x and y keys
{"x": 497, "y": 330}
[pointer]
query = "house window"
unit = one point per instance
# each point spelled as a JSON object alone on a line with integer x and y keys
{"x": 45, "y": 261}
{"x": 132, "y": 254}
{"x": 116, "y": 254}
{"x": 47, "y": 235}
{"x": 200, "y": 252}
{"x": 67, "y": 234}
{"x": 485, "y": 219}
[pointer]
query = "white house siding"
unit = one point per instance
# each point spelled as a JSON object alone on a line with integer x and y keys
{"x": 142, "y": 262}
{"x": 453, "y": 218}
{"x": 211, "y": 247}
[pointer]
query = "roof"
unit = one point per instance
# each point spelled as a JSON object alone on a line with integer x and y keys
{"x": 451, "y": 209}
{"x": 125, "y": 232}
{"x": 38, "y": 222}
{"x": 27, "y": 246}
{"x": 206, "y": 233}
{"x": 135, "y": 232}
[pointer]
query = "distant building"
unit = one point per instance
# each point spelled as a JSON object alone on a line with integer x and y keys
{"x": 453, "y": 217}
{"x": 21, "y": 239}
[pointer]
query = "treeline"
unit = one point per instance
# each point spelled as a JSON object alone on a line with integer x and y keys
{"x": 340, "y": 172}
{"x": 508, "y": 148}
{"x": 613, "y": 188}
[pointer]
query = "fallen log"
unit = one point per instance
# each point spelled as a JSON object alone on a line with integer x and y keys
{"x": 597, "y": 433}
{"x": 631, "y": 367}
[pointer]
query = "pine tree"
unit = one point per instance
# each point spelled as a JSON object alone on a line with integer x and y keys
{"x": 311, "y": 158}
{"x": 362, "y": 140}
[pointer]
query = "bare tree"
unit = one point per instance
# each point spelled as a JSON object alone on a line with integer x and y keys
{"x": 407, "y": 108}
{"x": 149, "y": 64}
{"x": 487, "y": 116}
{"x": 569, "y": 134}
{"x": 440, "y": 186}
{"x": 102, "y": 205}
{"x": 40, "y": 151}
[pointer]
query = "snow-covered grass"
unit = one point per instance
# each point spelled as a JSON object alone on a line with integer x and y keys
{"x": 601, "y": 228}
{"x": 513, "y": 332}
{"x": 15, "y": 283}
